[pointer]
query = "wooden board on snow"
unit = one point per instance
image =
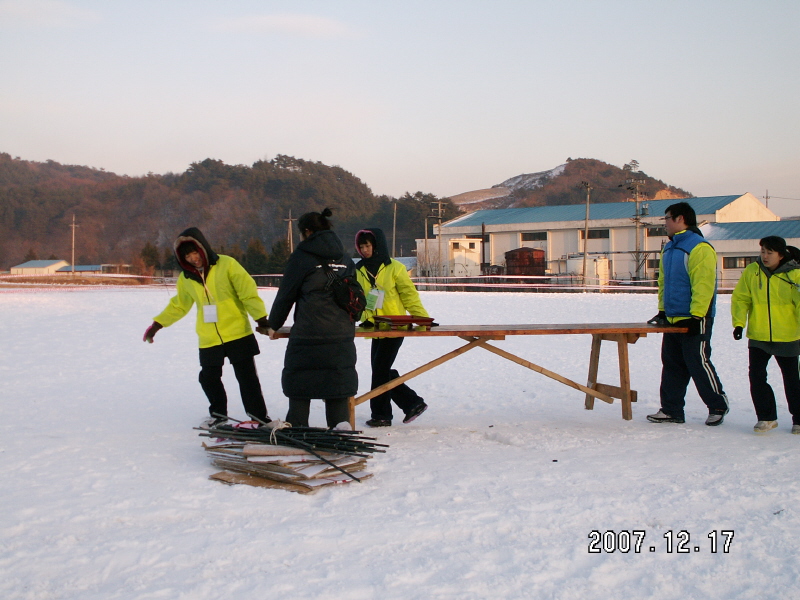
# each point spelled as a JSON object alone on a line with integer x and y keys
{"x": 243, "y": 478}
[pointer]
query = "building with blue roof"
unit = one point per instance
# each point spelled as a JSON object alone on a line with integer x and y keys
{"x": 83, "y": 269}
{"x": 38, "y": 267}
{"x": 624, "y": 238}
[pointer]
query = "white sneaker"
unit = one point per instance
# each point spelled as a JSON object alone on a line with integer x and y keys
{"x": 662, "y": 417}
{"x": 764, "y": 426}
{"x": 715, "y": 419}
{"x": 796, "y": 429}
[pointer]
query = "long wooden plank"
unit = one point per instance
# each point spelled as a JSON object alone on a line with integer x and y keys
{"x": 615, "y": 391}
{"x": 594, "y": 361}
{"x": 521, "y": 329}
{"x": 543, "y": 371}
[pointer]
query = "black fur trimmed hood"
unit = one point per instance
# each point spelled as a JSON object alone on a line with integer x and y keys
{"x": 194, "y": 236}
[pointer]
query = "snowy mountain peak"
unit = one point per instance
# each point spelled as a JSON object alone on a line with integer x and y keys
{"x": 531, "y": 181}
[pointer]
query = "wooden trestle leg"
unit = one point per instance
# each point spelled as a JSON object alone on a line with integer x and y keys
{"x": 623, "y": 391}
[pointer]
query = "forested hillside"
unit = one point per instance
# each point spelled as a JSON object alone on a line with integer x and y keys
{"x": 241, "y": 209}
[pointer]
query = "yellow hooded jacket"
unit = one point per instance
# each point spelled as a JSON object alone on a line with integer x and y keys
{"x": 234, "y": 292}
{"x": 401, "y": 294}
{"x": 768, "y": 304}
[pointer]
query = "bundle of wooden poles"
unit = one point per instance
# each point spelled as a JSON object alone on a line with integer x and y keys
{"x": 298, "y": 459}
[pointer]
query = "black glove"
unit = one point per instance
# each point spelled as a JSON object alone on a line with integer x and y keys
{"x": 693, "y": 325}
{"x": 367, "y": 324}
{"x": 659, "y": 319}
{"x": 737, "y": 333}
{"x": 263, "y": 325}
{"x": 151, "y": 332}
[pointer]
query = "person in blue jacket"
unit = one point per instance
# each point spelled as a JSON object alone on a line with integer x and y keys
{"x": 687, "y": 289}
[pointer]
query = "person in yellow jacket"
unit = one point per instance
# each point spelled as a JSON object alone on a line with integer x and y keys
{"x": 389, "y": 291}
{"x": 224, "y": 294}
{"x": 766, "y": 299}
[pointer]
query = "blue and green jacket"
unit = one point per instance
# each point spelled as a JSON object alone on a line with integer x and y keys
{"x": 687, "y": 279}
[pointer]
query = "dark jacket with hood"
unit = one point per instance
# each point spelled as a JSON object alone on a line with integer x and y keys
{"x": 320, "y": 358}
{"x": 222, "y": 282}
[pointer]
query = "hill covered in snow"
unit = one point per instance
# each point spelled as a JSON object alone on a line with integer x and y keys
{"x": 563, "y": 185}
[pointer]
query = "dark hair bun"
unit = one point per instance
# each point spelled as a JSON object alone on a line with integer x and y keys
{"x": 327, "y": 212}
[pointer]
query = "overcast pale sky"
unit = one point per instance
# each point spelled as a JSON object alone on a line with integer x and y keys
{"x": 438, "y": 96}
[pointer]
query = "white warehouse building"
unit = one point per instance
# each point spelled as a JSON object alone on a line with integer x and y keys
{"x": 733, "y": 225}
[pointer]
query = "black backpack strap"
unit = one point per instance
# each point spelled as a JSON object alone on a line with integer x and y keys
{"x": 329, "y": 273}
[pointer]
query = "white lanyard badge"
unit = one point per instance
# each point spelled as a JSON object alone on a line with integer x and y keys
{"x": 209, "y": 310}
{"x": 375, "y": 299}
{"x": 209, "y": 313}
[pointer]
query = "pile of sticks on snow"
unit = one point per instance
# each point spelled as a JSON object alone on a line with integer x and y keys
{"x": 298, "y": 459}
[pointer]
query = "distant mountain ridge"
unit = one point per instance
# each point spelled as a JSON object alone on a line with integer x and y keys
{"x": 563, "y": 185}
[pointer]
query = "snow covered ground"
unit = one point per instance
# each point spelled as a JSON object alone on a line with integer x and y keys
{"x": 492, "y": 493}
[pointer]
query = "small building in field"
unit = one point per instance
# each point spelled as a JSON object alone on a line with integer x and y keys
{"x": 82, "y": 269}
{"x": 38, "y": 267}
{"x": 117, "y": 269}
{"x": 107, "y": 269}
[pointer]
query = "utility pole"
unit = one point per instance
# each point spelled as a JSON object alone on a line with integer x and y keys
{"x": 633, "y": 185}
{"x": 586, "y": 228}
{"x": 766, "y": 198}
{"x": 73, "y": 242}
{"x": 484, "y": 264}
{"x": 427, "y": 258}
{"x": 291, "y": 240}
{"x": 438, "y": 215}
{"x": 394, "y": 229}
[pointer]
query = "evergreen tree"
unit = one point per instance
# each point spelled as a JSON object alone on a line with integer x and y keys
{"x": 255, "y": 258}
{"x": 170, "y": 263}
{"x": 31, "y": 255}
{"x": 149, "y": 256}
{"x": 278, "y": 257}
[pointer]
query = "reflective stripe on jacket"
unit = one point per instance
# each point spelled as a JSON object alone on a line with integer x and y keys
{"x": 768, "y": 303}
{"x": 233, "y": 291}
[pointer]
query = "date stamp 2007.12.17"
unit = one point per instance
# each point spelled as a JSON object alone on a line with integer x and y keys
{"x": 635, "y": 540}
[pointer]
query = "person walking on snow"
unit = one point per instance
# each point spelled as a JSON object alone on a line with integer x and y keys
{"x": 224, "y": 294}
{"x": 687, "y": 289}
{"x": 767, "y": 299}
{"x": 389, "y": 291}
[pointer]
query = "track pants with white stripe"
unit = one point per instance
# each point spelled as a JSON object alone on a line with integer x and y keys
{"x": 688, "y": 357}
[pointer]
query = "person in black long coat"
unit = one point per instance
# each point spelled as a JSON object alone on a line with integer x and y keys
{"x": 320, "y": 359}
